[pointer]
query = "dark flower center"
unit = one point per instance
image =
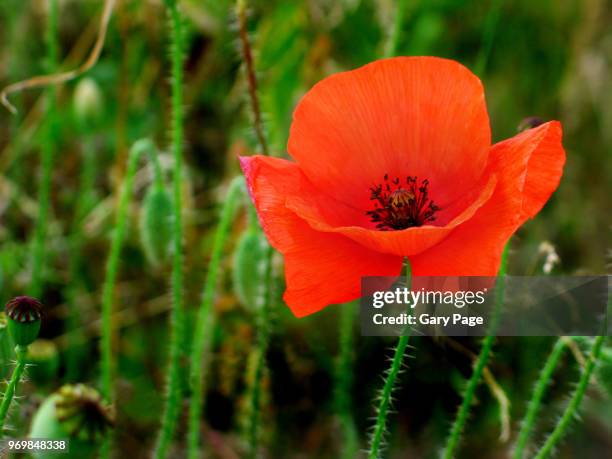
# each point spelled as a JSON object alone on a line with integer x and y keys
{"x": 399, "y": 205}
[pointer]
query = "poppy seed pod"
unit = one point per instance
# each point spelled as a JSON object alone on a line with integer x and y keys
{"x": 75, "y": 412}
{"x": 24, "y": 314}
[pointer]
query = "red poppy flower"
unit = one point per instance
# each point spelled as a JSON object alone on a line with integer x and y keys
{"x": 395, "y": 160}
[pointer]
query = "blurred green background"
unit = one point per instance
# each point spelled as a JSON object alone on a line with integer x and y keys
{"x": 551, "y": 59}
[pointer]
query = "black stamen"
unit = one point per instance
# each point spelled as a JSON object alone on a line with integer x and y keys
{"x": 404, "y": 207}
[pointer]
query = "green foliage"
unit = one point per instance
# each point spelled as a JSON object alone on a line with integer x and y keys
{"x": 205, "y": 325}
{"x": 48, "y": 148}
{"x": 571, "y": 411}
{"x": 282, "y": 44}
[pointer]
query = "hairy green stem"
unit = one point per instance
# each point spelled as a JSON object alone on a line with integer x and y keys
{"x": 204, "y": 329}
{"x": 393, "y": 42}
{"x": 540, "y": 387}
{"x": 262, "y": 326}
{"x": 380, "y": 428}
{"x": 481, "y": 362}
{"x": 343, "y": 387}
{"x": 177, "y": 332}
{"x": 384, "y": 402}
{"x": 47, "y": 154}
{"x": 571, "y": 411}
{"x": 21, "y": 352}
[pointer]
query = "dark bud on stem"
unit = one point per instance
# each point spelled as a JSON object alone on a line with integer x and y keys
{"x": 24, "y": 314}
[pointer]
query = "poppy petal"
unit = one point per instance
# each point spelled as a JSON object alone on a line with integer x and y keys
{"x": 417, "y": 116}
{"x": 326, "y": 268}
{"x": 529, "y": 168}
{"x": 544, "y": 169}
{"x": 320, "y": 268}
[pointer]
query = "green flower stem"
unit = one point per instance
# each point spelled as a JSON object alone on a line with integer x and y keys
{"x": 177, "y": 333}
{"x": 574, "y": 404}
{"x": 204, "y": 329}
{"x": 481, "y": 362}
{"x": 536, "y": 400}
{"x": 392, "y": 44}
{"x": 380, "y": 428}
{"x": 21, "y": 352}
{"x": 263, "y": 336}
{"x": 384, "y": 401}
{"x": 343, "y": 387}
{"x": 47, "y": 154}
{"x": 112, "y": 264}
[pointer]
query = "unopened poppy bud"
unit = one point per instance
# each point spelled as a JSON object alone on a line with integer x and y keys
{"x": 76, "y": 413}
{"x": 87, "y": 101}
{"x": 529, "y": 123}
{"x": 156, "y": 224}
{"x": 248, "y": 275}
{"x": 24, "y": 316}
{"x": 43, "y": 360}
